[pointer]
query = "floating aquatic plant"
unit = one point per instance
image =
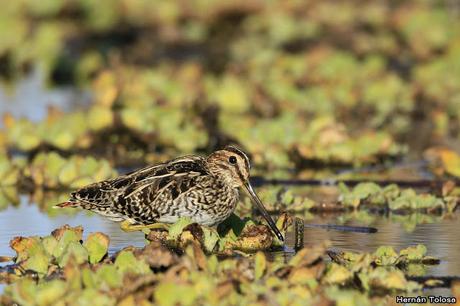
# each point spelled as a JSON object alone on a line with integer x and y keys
{"x": 386, "y": 256}
{"x": 393, "y": 197}
{"x": 297, "y": 86}
{"x": 9, "y": 171}
{"x": 443, "y": 161}
{"x": 377, "y": 271}
{"x": 234, "y": 234}
{"x": 50, "y": 170}
{"x": 285, "y": 200}
{"x": 70, "y": 271}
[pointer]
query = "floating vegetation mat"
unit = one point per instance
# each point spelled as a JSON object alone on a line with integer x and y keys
{"x": 293, "y": 85}
{"x": 62, "y": 268}
{"x": 367, "y": 196}
{"x": 51, "y": 171}
{"x": 234, "y": 236}
{"x": 309, "y": 89}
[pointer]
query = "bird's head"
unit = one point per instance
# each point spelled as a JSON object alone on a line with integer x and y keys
{"x": 233, "y": 166}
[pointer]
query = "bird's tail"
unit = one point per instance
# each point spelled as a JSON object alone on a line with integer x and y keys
{"x": 67, "y": 204}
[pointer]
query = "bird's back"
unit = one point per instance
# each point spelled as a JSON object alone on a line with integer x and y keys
{"x": 164, "y": 192}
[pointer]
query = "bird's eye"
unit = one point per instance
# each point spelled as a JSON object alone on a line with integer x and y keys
{"x": 232, "y": 160}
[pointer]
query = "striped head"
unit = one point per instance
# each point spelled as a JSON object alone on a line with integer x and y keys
{"x": 231, "y": 164}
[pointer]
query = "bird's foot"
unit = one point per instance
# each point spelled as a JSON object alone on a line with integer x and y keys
{"x": 128, "y": 226}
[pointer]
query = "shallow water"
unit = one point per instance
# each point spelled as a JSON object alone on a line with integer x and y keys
{"x": 30, "y": 98}
{"x": 27, "y": 220}
{"x": 441, "y": 238}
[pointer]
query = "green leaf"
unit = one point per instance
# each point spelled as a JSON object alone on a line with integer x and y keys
{"x": 38, "y": 262}
{"x": 99, "y": 117}
{"x": 49, "y": 243}
{"x": 108, "y": 274}
{"x": 337, "y": 274}
{"x": 31, "y": 254}
{"x": 97, "y": 245}
{"x": 73, "y": 250}
{"x": 176, "y": 229}
{"x": 23, "y": 292}
{"x": 68, "y": 173}
{"x": 126, "y": 261}
{"x": 67, "y": 237}
{"x": 213, "y": 264}
{"x": 93, "y": 296}
{"x": 211, "y": 238}
{"x": 385, "y": 255}
{"x": 88, "y": 277}
{"x": 231, "y": 94}
{"x": 171, "y": 294}
{"x": 9, "y": 172}
{"x": 382, "y": 278}
{"x": 50, "y": 292}
{"x": 414, "y": 253}
{"x": 260, "y": 265}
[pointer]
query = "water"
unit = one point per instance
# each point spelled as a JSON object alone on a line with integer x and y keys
{"x": 441, "y": 240}
{"x": 27, "y": 220}
{"x": 30, "y": 98}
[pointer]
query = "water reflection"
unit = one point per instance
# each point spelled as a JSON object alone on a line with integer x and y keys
{"x": 440, "y": 239}
{"x": 29, "y": 98}
{"x": 27, "y": 220}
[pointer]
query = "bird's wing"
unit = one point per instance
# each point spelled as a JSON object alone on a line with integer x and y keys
{"x": 176, "y": 173}
{"x": 156, "y": 179}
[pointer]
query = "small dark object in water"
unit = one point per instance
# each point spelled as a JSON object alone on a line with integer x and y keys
{"x": 344, "y": 228}
{"x": 298, "y": 231}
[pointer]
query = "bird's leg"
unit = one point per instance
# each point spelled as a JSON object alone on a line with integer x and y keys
{"x": 128, "y": 226}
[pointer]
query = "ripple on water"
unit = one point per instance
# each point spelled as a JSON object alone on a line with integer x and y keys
{"x": 440, "y": 239}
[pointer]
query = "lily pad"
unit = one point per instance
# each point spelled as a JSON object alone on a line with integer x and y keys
{"x": 337, "y": 274}
{"x": 73, "y": 251}
{"x": 127, "y": 262}
{"x": 97, "y": 245}
{"x": 53, "y": 171}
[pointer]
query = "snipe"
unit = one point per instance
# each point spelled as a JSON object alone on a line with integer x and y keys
{"x": 204, "y": 189}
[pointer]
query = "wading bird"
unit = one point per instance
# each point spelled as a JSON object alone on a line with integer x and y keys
{"x": 204, "y": 189}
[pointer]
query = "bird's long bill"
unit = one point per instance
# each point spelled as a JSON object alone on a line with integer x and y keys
{"x": 264, "y": 212}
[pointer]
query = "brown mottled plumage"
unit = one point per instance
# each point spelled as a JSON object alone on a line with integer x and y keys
{"x": 204, "y": 189}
